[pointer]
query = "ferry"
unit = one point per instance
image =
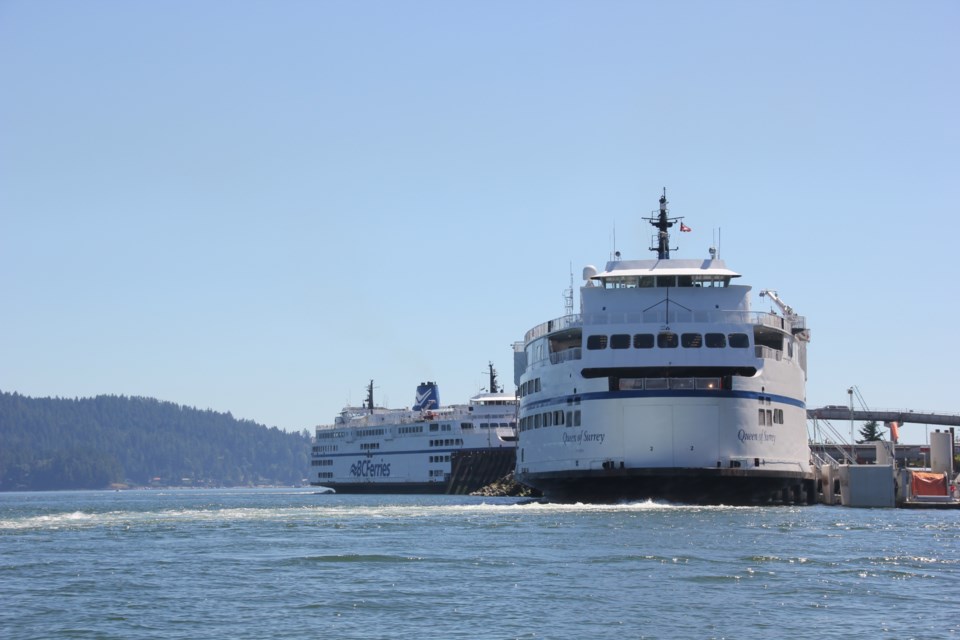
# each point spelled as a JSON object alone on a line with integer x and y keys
{"x": 667, "y": 385}
{"x": 429, "y": 448}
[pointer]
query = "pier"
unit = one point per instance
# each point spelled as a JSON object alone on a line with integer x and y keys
{"x": 900, "y": 416}
{"x": 876, "y": 474}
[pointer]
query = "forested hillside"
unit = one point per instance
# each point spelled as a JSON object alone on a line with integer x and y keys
{"x": 93, "y": 443}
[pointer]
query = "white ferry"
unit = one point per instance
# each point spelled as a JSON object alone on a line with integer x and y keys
{"x": 427, "y": 449}
{"x": 665, "y": 385}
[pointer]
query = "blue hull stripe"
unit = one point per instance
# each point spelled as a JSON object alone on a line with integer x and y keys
{"x": 667, "y": 393}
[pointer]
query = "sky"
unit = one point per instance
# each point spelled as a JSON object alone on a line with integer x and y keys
{"x": 258, "y": 207}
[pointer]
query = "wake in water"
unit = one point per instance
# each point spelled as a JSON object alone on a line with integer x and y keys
{"x": 316, "y": 512}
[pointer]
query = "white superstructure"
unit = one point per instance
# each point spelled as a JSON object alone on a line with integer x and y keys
{"x": 667, "y": 384}
{"x": 427, "y": 449}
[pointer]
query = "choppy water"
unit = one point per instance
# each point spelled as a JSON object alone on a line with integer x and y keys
{"x": 293, "y": 564}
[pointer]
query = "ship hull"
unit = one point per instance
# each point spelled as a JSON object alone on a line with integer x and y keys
{"x": 466, "y": 471}
{"x": 683, "y": 485}
{"x": 384, "y": 488}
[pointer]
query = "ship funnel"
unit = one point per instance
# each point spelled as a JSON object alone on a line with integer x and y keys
{"x": 428, "y": 397}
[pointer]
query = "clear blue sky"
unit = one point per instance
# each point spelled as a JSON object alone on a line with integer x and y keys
{"x": 256, "y": 207}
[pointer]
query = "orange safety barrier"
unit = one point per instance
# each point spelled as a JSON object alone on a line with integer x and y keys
{"x": 925, "y": 483}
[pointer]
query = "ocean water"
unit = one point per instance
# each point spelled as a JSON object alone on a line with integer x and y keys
{"x": 295, "y": 564}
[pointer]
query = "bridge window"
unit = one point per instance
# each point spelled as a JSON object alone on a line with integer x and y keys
{"x": 691, "y": 340}
{"x": 667, "y": 340}
{"x": 620, "y": 341}
{"x": 716, "y": 340}
{"x": 597, "y": 342}
{"x": 643, "y": 341}
{"x": 739, "y": 340}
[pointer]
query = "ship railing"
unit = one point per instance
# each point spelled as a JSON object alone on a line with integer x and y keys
{"x": 557, "y": 324}
{"x": 769, "y": 354}
{"x": 702, "y": 316}
{"x": 567, "y": 354}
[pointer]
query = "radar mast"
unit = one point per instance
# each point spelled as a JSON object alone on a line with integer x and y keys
{"x": 663, "y": 223}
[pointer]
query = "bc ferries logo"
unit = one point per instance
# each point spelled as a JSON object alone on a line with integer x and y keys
{"x": 427, "y": 397}
{"x": 369, "y": 469}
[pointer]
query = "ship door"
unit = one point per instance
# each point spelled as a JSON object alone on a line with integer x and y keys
{"x": 646, "y": 436}
{"x": 696, "y": 436}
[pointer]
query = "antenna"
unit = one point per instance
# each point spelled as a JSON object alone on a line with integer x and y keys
{"x": 715, "y": 248}
{"x": 494, "y": 387}
{"x": 568, "y": 296}
{"x": 663, "y": 222}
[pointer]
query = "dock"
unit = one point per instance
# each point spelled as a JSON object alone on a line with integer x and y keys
{"x": 879, "y": 474}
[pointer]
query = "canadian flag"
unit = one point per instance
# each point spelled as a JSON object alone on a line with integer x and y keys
{"x": 684, "y": 227}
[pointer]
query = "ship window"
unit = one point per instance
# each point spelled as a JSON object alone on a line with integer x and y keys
{"x": 597, "y": 342}
{"x": 646, "y": 281}
{"x": 685, "y": 281}
{"x": 434, "y": 427}
{"x": 691, "y": 340}
{"x": 576, "y": 418}
{"x": 716, "y": 340}
{"x": 708, "y": 383}
{"x": 536, "y": 384}
{"x": 536, "y": 421}
{"x": 620, "y": 341}
{"x": 666, "y": 281}
{"x": 667, "y": 340}
{"x": 558, "y": 417}
{"x": 739, "y": 340}
{"x": 763, "y": 418}
{"x": 548, "y": 419}
{"x": 643, "y": 341}
{"x": 465, "y": 425}
{"x": 569, "y": 418}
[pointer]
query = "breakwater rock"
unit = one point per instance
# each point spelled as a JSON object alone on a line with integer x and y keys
{"x": 507, "y": 486}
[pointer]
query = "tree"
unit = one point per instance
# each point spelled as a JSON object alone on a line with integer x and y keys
{"x": 870, "y": 432}
{"x": 91, "y": 443}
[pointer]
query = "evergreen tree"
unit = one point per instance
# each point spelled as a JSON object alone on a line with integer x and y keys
{"x": 91, "y": 443}
{"x": 870, "y": 432}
